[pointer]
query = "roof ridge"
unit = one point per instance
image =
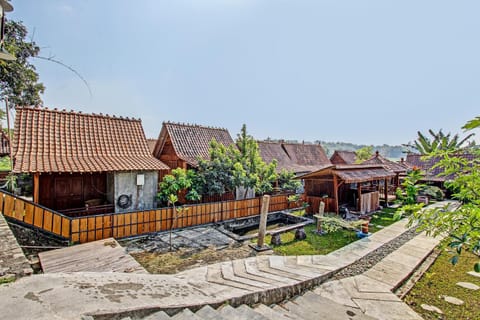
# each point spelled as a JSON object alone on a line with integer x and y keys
{"x": 80, "y": 113}
{"x": 186, "y": 124}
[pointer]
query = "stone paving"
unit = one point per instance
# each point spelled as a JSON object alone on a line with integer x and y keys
{"x": 13, "y": 263}
{"x": 260, "y": 280}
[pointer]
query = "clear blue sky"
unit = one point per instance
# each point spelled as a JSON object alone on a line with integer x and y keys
{"x": 370, "y": 72}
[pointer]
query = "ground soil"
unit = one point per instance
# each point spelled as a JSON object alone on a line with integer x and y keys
{"x": 173, "y": 262}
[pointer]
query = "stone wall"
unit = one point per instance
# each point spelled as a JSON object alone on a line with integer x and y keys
{"x": 135, "y": 197}
{"x": 13, "y": 263}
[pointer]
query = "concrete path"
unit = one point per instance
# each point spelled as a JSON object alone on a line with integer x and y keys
{"x": 259, "y": 280}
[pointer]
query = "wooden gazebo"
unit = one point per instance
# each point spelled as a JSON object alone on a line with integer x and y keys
{"x": 353, "y": 186}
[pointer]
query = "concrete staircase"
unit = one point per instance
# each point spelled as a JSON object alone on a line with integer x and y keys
{"x": 365, "y": 296}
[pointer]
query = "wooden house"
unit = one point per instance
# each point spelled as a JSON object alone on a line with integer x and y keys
{"x": 181, "y": 145}
{"x": 353, "y": 186}
{"x": 4, "y": 144}
{"x": 343, "y": 157}
{"x": 297, "y": 157}
{"x": 398, "y": 168}
{"x": 433, "y": 175}
{"x": 81, "y": 161}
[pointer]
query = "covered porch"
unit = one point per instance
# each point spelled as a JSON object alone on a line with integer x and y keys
{"x": 356, "y": 187}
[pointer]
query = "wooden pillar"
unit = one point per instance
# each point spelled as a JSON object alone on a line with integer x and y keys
{"x": 335, "y": 192}
{"x": 36, "y": 187}
{"x": 263, "y": 221}
{"x": 359, "y": 190}
{"x": 386, "y": 192}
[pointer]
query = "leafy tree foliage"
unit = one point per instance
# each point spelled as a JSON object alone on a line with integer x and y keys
{"x": 172, "y": 184}
{"x": 19, "y": 80}
{"x": 235, "y": 166}
{"x": 364, "y": 153}
{"x": 439, "y": 141}
{"x": 462, "y": 225}
{"x": 286, "y": 181}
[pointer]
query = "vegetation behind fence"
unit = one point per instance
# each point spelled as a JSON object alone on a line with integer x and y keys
{"x": 119, "y": 225}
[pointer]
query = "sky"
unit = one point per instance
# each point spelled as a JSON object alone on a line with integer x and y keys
{"x": 366, "y": 72}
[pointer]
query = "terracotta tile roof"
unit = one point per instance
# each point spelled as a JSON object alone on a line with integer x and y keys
{"x": 191, "y": 141}
{"x": 343, "y": 157}
{"x": 4, "y": 144}
{"x": 61, "y": 141}
{"x": 352, "y": 173}
{"x": 426, "y": 165}
{"x": 390, "y": 165}
{"x": 307, "y": 154}
{"x": 276, "y": 150}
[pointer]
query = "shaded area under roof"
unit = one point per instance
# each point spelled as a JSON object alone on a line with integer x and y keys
{"x": 66, "y": 141}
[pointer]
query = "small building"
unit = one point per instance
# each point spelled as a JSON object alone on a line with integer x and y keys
{"x": 85, "y": 161}
{"x": 297, "y": 157}
{"x": 356, "y": 187}
{"x": 343, "y": 157}
{"x": 180, "y": 145}
{"x": 433, "y": 175}
{"x": 398, "y": 168}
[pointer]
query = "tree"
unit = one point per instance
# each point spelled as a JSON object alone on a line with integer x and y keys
{"x": 250, "y": 171}
{"x": 439, "y": 141}
{"x": 286, "y": 181}
{"x": 462, "y": 225}
{"x": 235, "y": 166}
{"x": 170, "y": 188}
{"x": 364, "y": 153}
{"x": 19, "y": 81}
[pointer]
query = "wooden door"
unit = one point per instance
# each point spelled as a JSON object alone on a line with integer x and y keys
{"x": 68, "y": 192}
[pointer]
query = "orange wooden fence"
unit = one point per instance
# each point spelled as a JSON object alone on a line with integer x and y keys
{"x": 119, "y": 225}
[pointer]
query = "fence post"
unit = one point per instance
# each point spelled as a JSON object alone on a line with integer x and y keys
{"x": 263, "y": 222}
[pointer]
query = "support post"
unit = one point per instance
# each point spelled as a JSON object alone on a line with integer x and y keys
{"x": 335, "y": 192}
{"x": 359, "y": 202}
{"x": 36, "y": 187}
{"x": 386, "y": 192}
{"x": 262, "y": 228}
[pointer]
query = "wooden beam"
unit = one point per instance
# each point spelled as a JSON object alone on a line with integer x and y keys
{"x": 359, "y": 190}
{"x": 36, "y": 187}
{"x": 335, "y": 192}
{"x": 386, "y": 192}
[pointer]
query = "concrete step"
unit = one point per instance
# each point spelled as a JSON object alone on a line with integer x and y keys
{"x": 250, "y": 314}
{"x": 263, "y": 264}
{"x": 186, "y": 314}
{"x": 160, "y": 315}
{"x": 311, "y": 304}
{"x": 228, "y": 273}
{"x": 214, "y": 275}
{"x": 208, "y": 312}
{"x": 228, "y": 312}
{"x": 272, "y": 314}
{"x": 282, "y": 310}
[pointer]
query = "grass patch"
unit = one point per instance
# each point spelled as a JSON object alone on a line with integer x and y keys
{"x": 323, "y": 244}
{"x": 441, "y": 279}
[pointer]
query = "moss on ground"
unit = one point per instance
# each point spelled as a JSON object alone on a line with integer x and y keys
{"x": 440, "y": 280}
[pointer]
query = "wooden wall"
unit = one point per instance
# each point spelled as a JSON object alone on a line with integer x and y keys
{"x": 119, "y": 225}
{"x": 67, "y": 191}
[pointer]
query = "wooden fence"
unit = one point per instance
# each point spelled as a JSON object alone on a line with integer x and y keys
{"x": 119, "y": 225}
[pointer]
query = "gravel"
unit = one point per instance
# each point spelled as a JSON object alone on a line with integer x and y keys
{"x": 375, "y": 256}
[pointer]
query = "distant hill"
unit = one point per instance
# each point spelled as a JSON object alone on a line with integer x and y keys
{"x": 391, "y": 152}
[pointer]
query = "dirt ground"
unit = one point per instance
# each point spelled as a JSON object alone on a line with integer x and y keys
{"x": 173, "y": 262}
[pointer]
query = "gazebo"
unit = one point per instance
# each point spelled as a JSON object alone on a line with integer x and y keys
{"x": 353, "y": 186}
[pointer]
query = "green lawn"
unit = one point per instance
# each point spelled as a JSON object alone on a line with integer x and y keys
{"x": 441, "y": 279}
{"x": 323, "y": 244}
{"x": 5, "y": 164}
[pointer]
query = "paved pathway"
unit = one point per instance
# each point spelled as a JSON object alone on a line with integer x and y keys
{"x": 259, "y": 280}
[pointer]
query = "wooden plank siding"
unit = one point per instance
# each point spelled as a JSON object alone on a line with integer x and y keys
{"x": 119, "y": 225}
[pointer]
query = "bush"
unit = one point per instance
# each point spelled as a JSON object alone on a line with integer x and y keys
{"x": 432, "y": 192}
